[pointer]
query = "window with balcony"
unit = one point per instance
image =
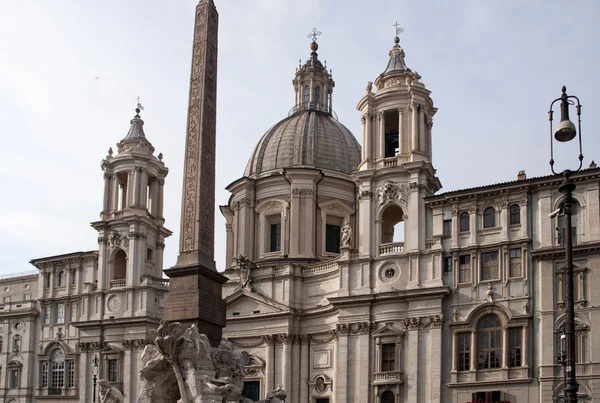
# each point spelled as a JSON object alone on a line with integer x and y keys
{"x": 332, "y": 238}
{"x": 489, "y": 217}
{"x": 489, "y": 266}
{"x": 388, "y": 357}
{"x": 120, "y": 266}
{"x": 515, "y": 269}
{"x": 464, "y": 222}
{"x": 515, "y": 214}
{"x": 464, "y": 269}
{"x": 392, "y": 225}
{"x": 392, "y": 139}
{"x": 447, "y": 231}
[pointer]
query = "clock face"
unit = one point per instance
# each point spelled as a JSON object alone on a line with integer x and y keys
{"x": 114, "y": 303}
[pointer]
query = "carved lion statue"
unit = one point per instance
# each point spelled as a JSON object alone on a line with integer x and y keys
{"x": 108, "y": 394}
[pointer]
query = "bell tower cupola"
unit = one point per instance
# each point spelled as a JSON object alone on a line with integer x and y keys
{"x": 313, "y": 84}
{"x": 397, "y": 117}
{"x": 131, "y": 234}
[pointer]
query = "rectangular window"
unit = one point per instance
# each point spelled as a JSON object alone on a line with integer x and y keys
{"x": 7, "y": 300}
{"x": 489, "y": 266}
{"x": 58, "y": 375}
{"x": 275, "y": 238}
{"x": 71, "y": 374}
{"x": 388, "y": 357}
{"x": 14, "y": 378}
{"x": 44, "y": 376}
{"x": 447, "y": 264}
{"x": 73, "y": 277}
{"x": 515, "y": 262}
{"x": 514, "y": 345}
{"x": 332, "y": 238}
{"x": 112, "y": 370}
{"x": 464, "y": 351}
{"x": 252, "y": 390}
{"x": 27, "y": 297}
{"x": 48, "y": 280}
{"x": 73, "y": 312}
{"x": 464, "y": 269}
{"x": 60, "y": 313}
{"x": 447, "y": 229}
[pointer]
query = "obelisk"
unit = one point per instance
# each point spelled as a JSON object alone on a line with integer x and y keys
{"x": 194, "y": 295}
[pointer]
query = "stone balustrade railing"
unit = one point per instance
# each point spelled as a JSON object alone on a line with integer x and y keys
{"x": 121, "y": 283}
{"x": 320, "y": 267}
{"x": 391, "y": 248}
{"x": 388, "y": 377}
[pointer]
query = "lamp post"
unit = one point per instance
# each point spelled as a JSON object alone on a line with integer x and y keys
{"x": 95, "y": 376}
{"x": 566, "y": 131}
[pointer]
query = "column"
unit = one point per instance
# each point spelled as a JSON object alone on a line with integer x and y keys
{"x": 137, "y": 183}
{"x": 422, "y": 126}
{"x": 381, "y": 142}
{"x": 160, "y": 197}
{"x": 286, "y": 361}
{"x": 504, "y": 220}
{"x": 436, "y": 365}
{"x": 106, "y": 200}
{"x": 473, "y": 225}
{"x": 341, "y": 365}
{"x": 415, "y": 127}
{"x": 401, "y": 149}
{"x": 524, "y": 218}
{"x": 126, "y": 365}
{"x": 505, "y": 352}
{"x": 429, "y": 141}
{"x": 304, "y": 367}
{"x": 296, "y": 370}
{"x": 115, "y": 192}
{"x": 363, "y": 361}
{"x": 455, "y": 228}
{"x": 454, "y": 352}
{"x": 363, "y": 119}
{"x": 295, "y": 223}
{"x": 368, "y": 144}
{"x": 130, "y": 190}
{"x": 270, "y": 363}
{"x": 412, "y": 363}
{"x": 144, "y": 191}
{"x": 473, "y": 350}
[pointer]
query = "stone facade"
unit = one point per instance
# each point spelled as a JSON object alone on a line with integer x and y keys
{"x": 100, "y": 305}
{"x": 424, "y": 296}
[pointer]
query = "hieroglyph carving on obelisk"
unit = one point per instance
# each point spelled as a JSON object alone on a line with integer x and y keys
{"x": 198, "y": 204}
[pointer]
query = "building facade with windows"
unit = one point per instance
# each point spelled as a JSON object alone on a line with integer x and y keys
{"x": 351, "y": 279}
{"x": 98, "y": 306}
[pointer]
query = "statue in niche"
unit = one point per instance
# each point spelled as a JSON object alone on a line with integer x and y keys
{"x": 243, "y": 266}
{"x": 346, "y": 235}
{"x": 108, "y": 394}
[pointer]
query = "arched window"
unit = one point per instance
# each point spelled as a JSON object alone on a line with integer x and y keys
{"x": 489, "y": 342}
{"x": 60, "y": 279}
{"x": 306, "y": 96}
{"x": 388, "y": 397}
{"x": 464, "y": 222}
{"x": 120, "y": 266}
{"x": 317, "y": 97}
{"x": 581, "y": 337}
{"x": 489, "y": 217}
{"x": 392, "y": 224}
{"x": 57, "y": 374}
{"x": 515, "y": 214}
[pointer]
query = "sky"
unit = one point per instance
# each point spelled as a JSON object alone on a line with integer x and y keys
{"x": 71, "y": 72}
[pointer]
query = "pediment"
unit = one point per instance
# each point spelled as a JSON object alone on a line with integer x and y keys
{"x": 246, "y": 303}
{"x": 388, "y": 330}
{"x": 110, "y": 349}
{"x": 336, "y": 207}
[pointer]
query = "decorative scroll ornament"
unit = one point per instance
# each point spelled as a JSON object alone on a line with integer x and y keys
{"x": 115, "y": 240}
{"x": 391, "y": 192}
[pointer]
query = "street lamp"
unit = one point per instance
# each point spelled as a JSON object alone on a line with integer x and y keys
{"x": 566, "y": 131}
{"x": 95, "y": 376}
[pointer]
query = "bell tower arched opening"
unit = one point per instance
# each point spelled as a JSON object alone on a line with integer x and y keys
{"x": 120, "y": 266}
{"x": 392, "y": 224}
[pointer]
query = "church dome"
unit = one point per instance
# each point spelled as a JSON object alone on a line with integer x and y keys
{"x": 311, "y": 135}
{"x": 307, "y": 138}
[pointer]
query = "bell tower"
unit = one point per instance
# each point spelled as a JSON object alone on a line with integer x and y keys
{"x": 396, "y": 169}
{"x": 131, "y": 234}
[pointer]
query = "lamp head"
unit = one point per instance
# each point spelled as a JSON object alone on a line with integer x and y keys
{"x": 565, "y": 131}
{"x": 95, "y": 365}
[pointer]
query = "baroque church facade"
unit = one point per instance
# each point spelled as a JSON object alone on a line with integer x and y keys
{"x": 351, "y": 278}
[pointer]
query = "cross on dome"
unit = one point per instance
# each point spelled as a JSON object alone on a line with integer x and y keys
{"x": 314, "y": 34}
{"x": 399, "y": 29}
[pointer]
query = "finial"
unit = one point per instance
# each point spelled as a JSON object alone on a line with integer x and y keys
{"x": 314, "y": 34}
{"x": 593, "y": 165}
{"x": 399, "y": 30}
{"x": 139, "y": 105}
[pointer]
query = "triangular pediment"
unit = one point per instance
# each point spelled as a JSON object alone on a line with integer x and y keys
{"x": 388, "y": 330}
{"x": 246, "y": 303}
{"x": 111, "y": 349}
